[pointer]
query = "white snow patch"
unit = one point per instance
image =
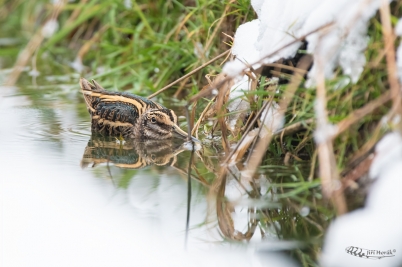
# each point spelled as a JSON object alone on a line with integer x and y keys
{"x": 243, "y": 48}
{"x": 351, "y": 57}
{"x": 398, "y": 28}
{"x": 128, "y": 4}
{"x": 56, "y": 2}
{"x": 271, "y": 118}
{"x": 199, "y": 50}
{"x": 50, "y": 28}
{"x": 236, "y": 101}
{"x": 281, "y": 22}
{"x": 245, "y": 39}
{"x": 387, "y": 152}
{"x": 100, "y": 69}
{"x": 346, "y": 40}
{"x": 324, "y": 133}
{"x": 234, "y": 68}
{"x": 77, "y": 65}
{"x": 398, "y": 31}
{"x": 34, "y": 73}
{"x": 304, "y": 211}
{"x": 257, "y": 4}
{"x": 191, "y": 145}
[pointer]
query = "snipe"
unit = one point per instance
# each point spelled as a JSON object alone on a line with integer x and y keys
{"x": 128, "y": 115}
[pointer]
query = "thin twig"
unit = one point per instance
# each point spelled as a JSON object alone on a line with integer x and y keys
{"x": 358, "y": 171}
{"x": 286, "y": 67}
{"x": 197, "y": 124}
{"x": 358, "y": 114}
{"x": 293, "y": 128}
{"x": 327, "y": 163}
{"x": 260, "y": 128}
{"x": 220, "y": 100}
{"x": 389, "y": 38}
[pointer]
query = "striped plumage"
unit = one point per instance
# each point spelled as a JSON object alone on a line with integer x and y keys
{"x": 128, "y": 115}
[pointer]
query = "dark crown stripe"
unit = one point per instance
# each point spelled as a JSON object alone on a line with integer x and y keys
{"x": 169, "y": 113}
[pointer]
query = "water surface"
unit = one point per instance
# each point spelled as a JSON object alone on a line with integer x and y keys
{"x": 70, "y": 198}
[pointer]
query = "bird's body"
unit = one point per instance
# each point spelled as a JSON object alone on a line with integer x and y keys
{"x": 128, "y": 115}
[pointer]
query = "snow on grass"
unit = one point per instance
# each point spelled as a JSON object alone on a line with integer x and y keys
{"x": 281, "y": 22}
{"x": 344, "y": 43}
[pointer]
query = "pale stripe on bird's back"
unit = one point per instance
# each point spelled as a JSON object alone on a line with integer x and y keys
{"x": 142, "y": 105}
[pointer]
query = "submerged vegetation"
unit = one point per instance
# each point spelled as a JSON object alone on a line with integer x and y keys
{"x": 142, "y": 46}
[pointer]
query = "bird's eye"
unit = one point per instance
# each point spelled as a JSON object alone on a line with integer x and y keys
{"x": 153, "y": 119}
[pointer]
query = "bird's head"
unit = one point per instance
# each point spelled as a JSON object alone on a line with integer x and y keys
{"x": 160, "y": 124}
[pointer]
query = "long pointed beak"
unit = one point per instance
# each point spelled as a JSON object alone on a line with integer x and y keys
{"x": 178, "y": 132}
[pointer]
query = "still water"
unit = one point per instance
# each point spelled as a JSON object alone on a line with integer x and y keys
{"x": 72, "y": 199}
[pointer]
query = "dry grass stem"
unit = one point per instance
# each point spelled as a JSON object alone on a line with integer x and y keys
{"x": 358, "y": 114}
{"x": 201, "y": 117}
{"x": 327, "y": 164}
{"x": 293, "y": 128}
{"x": 286, "y": 67}
{"x": 181, "y": 87}
{"x": 312, "y": 168}
{"x": 361, "y": 169}
{"x": 369, "y": 145}
{"x": 220, "y": 100}
{"x": 389, "y": 38}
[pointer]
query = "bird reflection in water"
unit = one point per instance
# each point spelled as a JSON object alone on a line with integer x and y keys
{"x": 239, "y": 207}
{"x": 130, "y": 154}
